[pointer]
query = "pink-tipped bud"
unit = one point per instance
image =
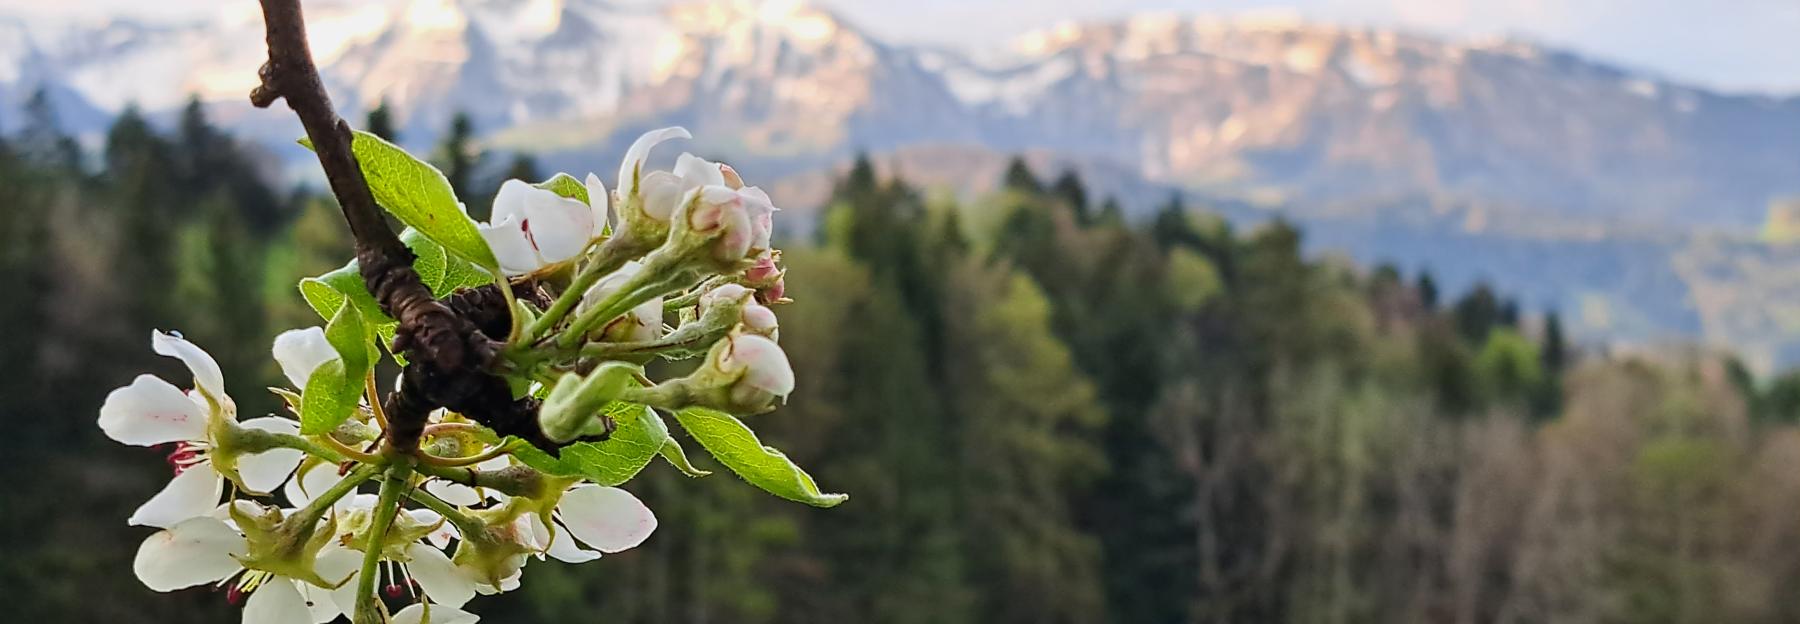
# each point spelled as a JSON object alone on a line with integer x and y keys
{"x": 764, "y": 374}
{"x": 759, "y": 319}
{"x": 767, "y": 278}
{"x": 725, "y": 293}
{"x": 719, "y": 211}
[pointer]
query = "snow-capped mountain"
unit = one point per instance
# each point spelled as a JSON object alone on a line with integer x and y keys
{"x": 1299, "y": 113}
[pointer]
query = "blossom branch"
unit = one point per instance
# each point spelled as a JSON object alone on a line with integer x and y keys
{"x": 429, "y": 331}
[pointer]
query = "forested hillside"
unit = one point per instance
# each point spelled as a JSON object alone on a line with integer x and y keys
{"x": 1044, "y": 412}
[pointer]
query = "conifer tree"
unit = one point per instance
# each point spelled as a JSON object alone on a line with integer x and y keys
{"x": 381, "y": 122}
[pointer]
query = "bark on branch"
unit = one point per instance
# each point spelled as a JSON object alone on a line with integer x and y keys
{"x": 450, "y": 354}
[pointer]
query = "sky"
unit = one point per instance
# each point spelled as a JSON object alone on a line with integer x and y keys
{"x": 1734, "y": 45}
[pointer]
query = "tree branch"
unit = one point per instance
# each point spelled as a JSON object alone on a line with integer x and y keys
{"x": 449, "y": 353}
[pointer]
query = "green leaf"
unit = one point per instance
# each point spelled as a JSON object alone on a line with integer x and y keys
{"x": 567, "y": 186}
{"x": 442, "y": 272}
{"x": 420, "y": 196}
{"x": 326, "y": 293}
{"x": 736, "y": 446}
{"x": 639, "y": 437}
{"x": 672, "y": 453}
{"x": 336, "y": 387}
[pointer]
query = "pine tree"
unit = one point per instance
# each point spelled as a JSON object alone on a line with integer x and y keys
{"x": 381, "y": 122}
{"x": 1428, "y": 291}
{"x": 1070, "y": 190}
{"x": 42, "y": 140}
{"x": 458, "y": 157}
{"x": 1020, "y": 178}
{"x": 1555, "y": 346}
{"x": 1477, "y": 313}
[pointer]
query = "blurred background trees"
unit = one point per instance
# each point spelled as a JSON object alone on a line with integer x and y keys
{"x": 1045, "y": 413}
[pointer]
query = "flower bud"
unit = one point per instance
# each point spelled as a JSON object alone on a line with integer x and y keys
{"x": 767, "y": 278}
{"x": 759, "y": 319}
{"x": 760, "y": 368}
{"x": 719, "y": 214}
{"x": 724, "y": 294}
{"x": 641, "y": 323}
{"x": 753, "y": 317}
{"x": 576, "y": 407}
{"x": 662, "y": 194}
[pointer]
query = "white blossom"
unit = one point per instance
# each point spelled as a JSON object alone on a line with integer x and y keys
{"x": 532, "y": 227}
{"x": 206, "y": 549}
{"x": 151, "y": 411}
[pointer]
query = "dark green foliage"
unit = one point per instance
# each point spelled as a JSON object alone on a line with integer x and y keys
{"x": 458, "y": 157}
{"x": 1428, "y": 290}
{"x": 1063, "y": 417}
{"x": 1069, "y": 189}
{"x": 1477, "y": 313}
{"x": 1020, "y": 178}
{"x": 381, "y": 122}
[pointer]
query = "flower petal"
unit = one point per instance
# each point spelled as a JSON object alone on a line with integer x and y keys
{"x": 598, "y": 201}
{"x": 510, "y": 246}
{"x": 319, "y": 603}
{"x": 606, "y": 518}
{"x": 662, "y": 194}
{"x": 453, "y": 493}
{"x": 639, "y": 152}
{"x": 300, "y": 352}
{"x": 445, "y": 531}
{"x": 440, "y": 614}
{"x": 442, "y": 581}
{"x": 194, "y": 492}
{"x": 277, "y": 602}
{"x": 560, "y": 227}
{"x": 263, "y": 472}
{"x": 563, "y": 548}
{"x": 205, "y": 369}
{"x": 151, "y": 411}
{"x": 509, "y": 203}
{"x": 313, "y": 480}
{"x": 696, "y": 172}
{"x": 193, "y": 552}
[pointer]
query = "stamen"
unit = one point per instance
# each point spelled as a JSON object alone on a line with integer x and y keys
{"x": 185, "y": 456}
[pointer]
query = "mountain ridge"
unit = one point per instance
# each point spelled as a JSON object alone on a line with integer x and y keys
{"x": 1281, "y": 110}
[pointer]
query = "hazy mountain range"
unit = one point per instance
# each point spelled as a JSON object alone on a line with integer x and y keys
{"x": 1626, "y": 201}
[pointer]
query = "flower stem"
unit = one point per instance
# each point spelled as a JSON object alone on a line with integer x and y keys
{"x": 660, "y": 275}
{"x": 298, "y": 443}
{"x": 512, "y": 307}
{"x": 369, "y": 609}
{"x": 319, "y": 504}
{"x": 458, "y": 462}
{"x": 351, "y": 453}
{"x": 375, "y": 400}
{"x": 481, "y": 433}
{"x": 511, "y": 481}
{"x": 611, "y": 255}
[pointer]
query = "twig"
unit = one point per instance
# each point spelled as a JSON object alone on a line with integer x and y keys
{"x": 449, "y": 354}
